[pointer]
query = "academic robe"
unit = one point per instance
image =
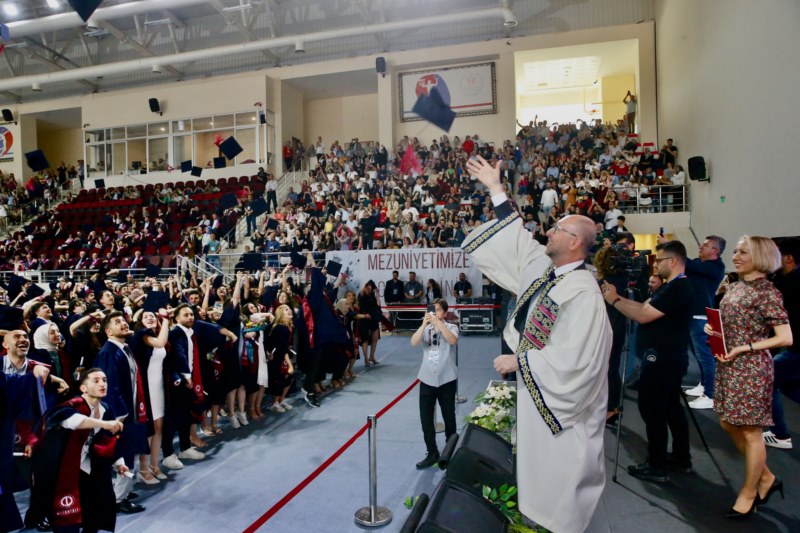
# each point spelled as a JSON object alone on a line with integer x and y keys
{"x": 560, "y": 460}
{"x": 13, "y": 393}
{"x": 133, "y": 439}
{"x": 63, "y": 493}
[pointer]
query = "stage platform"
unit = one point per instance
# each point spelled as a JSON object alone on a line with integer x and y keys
{"x": 249, "y": 470}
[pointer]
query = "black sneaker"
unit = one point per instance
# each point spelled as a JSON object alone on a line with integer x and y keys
{"x": 648, "y": 473}
{"x": 311, "y": 399}
{"x": 682, "y": 466}
{"x": 430, "y": 460}
{"x": 44, "y": 525}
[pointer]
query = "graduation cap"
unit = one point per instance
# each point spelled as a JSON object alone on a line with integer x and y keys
{"x": 218, "y": 279}
{"x": 100, "y": 184}
{"x": 34, "y": 291}
{"x": 219, "y": 162}
{"x": 196, "y": 171}
{"x": 272, "y": 224}
{"x": 85, "y": 8}
{"x": 151, "y": 270}
{"x": 186, "y": 166}
{"x": 226, "y": 201}
{"x": 156, "y": 300}
{"x": 36, "y": 160}
{"x": 230, "y": 148}
{"x": 298, "y": 261}
{"x": 10, "y": 317}
{"x": 259, "y": 207}
{"x": 253, "y": 262}
{"x": 433, "y": 109}
{"x": 333, "y": 268}
{"x": 122, "y": 276}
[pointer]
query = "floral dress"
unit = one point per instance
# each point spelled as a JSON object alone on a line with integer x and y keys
{"x": 743, "y": 387}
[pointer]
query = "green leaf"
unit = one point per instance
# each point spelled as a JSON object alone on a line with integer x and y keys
{"x": 494, "y": 494}
{"x": 511, "y": 504}
{"x": 486, "y": 491}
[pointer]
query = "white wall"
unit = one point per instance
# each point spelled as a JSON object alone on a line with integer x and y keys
{"x": 728, "y": 74}
{"x": 341, "y": 118}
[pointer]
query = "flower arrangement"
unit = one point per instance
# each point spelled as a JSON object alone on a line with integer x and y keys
{"x": 500, "y": 395}
{"x": 494, "y": 410}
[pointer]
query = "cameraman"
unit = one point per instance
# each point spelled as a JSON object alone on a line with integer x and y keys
{"x": 665, "y": 321}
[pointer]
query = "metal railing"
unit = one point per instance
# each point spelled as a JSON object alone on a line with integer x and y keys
{"x": 652, "y": 198}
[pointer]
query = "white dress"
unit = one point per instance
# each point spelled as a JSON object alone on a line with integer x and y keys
{"x": 155, "y": 382}
{"x": 262, "y": 378}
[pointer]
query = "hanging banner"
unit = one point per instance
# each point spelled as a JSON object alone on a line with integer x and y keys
{"x": 443, "y": 265}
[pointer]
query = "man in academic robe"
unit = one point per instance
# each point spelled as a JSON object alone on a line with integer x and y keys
{"x": 562, "y": 339}
{"x": 14, "y": 391}
{"x": 126, "y": 400}
{"x": 188, "y": 401}
{"x": 72, "y": 462}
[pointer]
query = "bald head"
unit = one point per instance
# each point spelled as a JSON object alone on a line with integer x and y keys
{"x": 570, "y": 239}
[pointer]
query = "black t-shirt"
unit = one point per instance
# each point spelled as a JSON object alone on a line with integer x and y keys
{"x": 669, "y": 335}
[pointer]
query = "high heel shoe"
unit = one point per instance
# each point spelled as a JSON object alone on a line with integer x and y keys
{"x": 733, "y": 514}
{"x": 777, "y": 486}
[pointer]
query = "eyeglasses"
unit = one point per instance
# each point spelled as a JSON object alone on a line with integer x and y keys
{"x": 658, "y": 260}
{"x": 557, "y": 228}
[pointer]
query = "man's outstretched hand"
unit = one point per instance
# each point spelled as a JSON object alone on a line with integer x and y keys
{"x": 490, "y": 177}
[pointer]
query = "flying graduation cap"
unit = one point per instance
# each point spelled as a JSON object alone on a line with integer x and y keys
{"x": 37, "y": 161}
{"x": 85, "y": 8}
{"x": 186, "y": 166}
{"x": 219, "y": 162}
{"x": 230, "y": 148}
{"x": 432, "y": 108}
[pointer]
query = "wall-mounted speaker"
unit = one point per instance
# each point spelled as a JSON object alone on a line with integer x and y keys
{"x": 155, "y": 107}
{"x": 8, "y": 116}
{"x": 697, "y": 168}
{"x": 380, "y": 65}
{"x": 262, "y": 117}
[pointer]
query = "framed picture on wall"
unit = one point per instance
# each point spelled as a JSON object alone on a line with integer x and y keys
{"x": 469, "y": 89}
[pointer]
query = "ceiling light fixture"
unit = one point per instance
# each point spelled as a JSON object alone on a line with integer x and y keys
{"x": 156, "y": 69}
{"x": 299, "y": 47}
{"x": 10, "y": 9}
{"x": 157, "y": 22}
{"x": 35, "y": 87}
{"x": 241, "y": 7}
{"x": 91, "y": 25}
{"x": 53, "y": 4}
{"x": 510, "y": 22}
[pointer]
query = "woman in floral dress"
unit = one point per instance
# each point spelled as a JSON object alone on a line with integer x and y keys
{"x": 752, "y": 310}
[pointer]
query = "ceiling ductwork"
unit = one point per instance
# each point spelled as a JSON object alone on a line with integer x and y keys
{"x": 503, "y": 13}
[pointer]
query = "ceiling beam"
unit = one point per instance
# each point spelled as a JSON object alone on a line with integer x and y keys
{"x": 248, "y": 35}
{"x": 30, "y": 54}
{"x": 141, "y": 49}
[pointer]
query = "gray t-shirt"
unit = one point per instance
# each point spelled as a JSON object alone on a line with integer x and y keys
{"x": 438, "y": 357}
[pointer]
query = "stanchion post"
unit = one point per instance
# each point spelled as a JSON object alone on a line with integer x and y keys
{"x": 459, "y": 399}
{"x": 373, "y": 515}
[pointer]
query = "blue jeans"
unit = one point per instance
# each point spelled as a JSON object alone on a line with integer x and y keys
{"x": 702, "y": 352}
{"x": 787, "y": 381}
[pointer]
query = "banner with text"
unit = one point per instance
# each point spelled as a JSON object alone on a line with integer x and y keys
{"x": 443, "y": 265}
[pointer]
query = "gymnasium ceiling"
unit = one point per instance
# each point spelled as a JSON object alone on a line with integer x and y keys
{"x": 131, "y": 43}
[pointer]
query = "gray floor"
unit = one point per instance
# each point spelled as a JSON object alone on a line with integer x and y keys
{"x": 250, "y": 469}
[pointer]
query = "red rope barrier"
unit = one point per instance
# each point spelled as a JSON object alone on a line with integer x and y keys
{"x": 272, "y": 511}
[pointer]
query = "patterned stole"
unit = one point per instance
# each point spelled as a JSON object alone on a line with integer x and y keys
{"x": 535, "y": 336}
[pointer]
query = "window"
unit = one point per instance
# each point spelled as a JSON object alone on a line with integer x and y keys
{"x": 158, "y": 154}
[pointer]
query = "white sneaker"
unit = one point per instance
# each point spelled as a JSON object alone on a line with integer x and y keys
{"x": 703, "y": 402}
{"x": 277, "y": 408}
{"x": 191, "y": 453}
{"x": 172, "y": 462}
{"x": 699, "y": 390}
{"x": 234, "y": 421}
{"x": 771, "y": 440}
{"x": 286, "y": 406}
{"x": 242, "y": 418}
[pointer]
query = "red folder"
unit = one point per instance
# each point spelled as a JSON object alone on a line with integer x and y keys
{"x": 717, "y": 338}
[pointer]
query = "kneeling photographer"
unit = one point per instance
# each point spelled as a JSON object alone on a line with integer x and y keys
{"x": 665, "y": 321}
